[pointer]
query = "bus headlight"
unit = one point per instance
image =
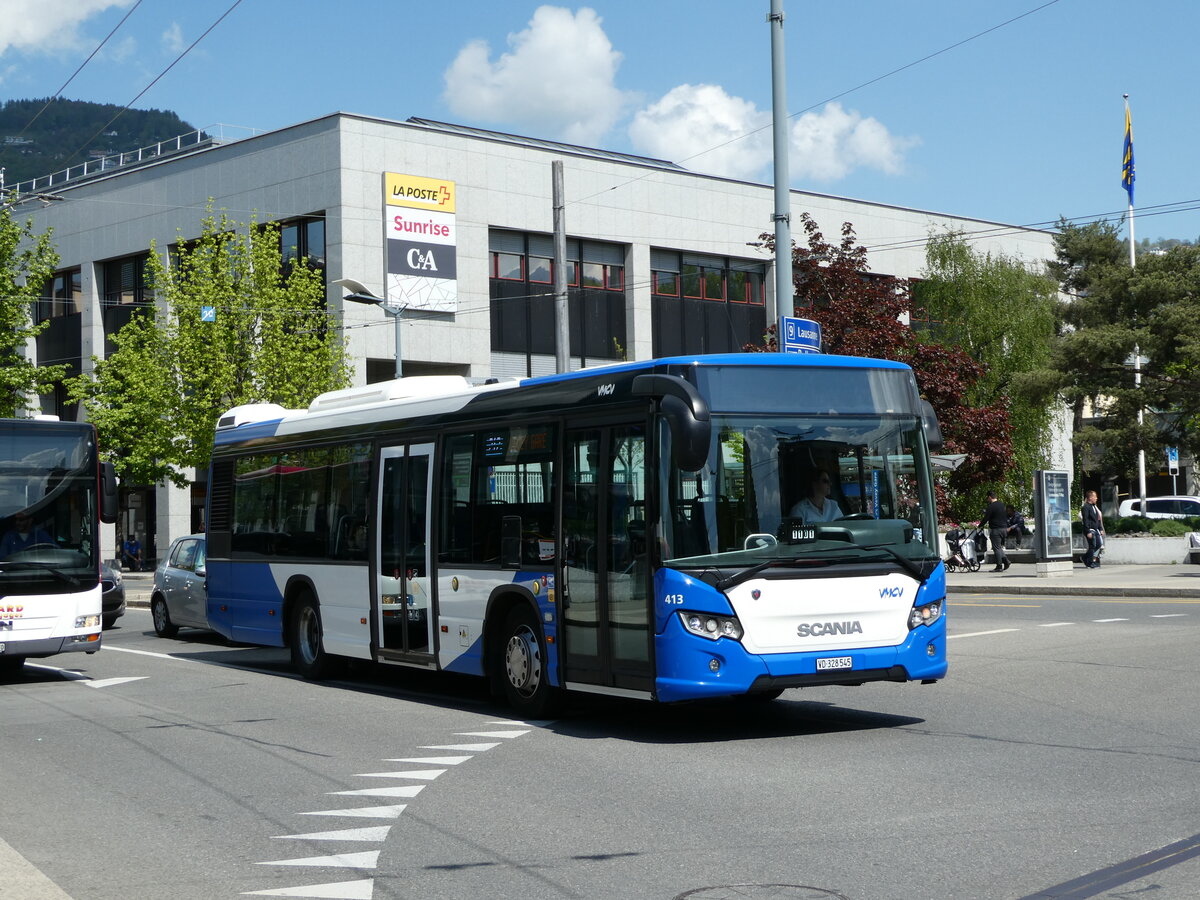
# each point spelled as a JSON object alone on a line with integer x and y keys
{"x": 925, "y": 615}
{"x": 87, "y": 621}
{"x": 711, "y": 627}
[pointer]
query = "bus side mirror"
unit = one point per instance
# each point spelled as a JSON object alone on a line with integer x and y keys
{"x": 108, "y": 493}
{"x": 686, "y": 414}
{"x": 933, "y": 431}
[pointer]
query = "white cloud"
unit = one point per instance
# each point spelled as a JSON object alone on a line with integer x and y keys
{"x": 705, "y": 129}
{"x": 830, "y": 144}
{"x": 47, "y": 25}
{"x": 556, "y": 80}
{"x": 172, "y": 39}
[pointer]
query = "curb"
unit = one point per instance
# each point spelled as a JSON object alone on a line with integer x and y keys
{"x": 1072, "y": 590}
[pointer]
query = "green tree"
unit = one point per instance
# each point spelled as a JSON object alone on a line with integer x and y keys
{"x": 1006, "y": 317}
{"x": 1115, "y": 310}
{"x": 233, "y": 327}
{"x": 27, "y": 260}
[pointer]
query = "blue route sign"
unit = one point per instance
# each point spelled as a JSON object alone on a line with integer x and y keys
{"x": 799, "y": 335}
{"x": 208, "y": 314}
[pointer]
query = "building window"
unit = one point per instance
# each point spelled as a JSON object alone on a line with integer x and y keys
{"x": 124, "y": 282}
{"x": 508, "y": 266}
{"x": 705, "y": 304}
{"x": 541, "y": 270}
{"x": 303, "y": 238}
{"x": 63, "y": 296}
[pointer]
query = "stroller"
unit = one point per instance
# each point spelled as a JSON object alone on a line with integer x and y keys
{"x": 964, "y": 550}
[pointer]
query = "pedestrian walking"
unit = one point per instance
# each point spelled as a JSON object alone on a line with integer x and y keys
{"x": 995, "y": 518}
{"x": 1093, "y": 530}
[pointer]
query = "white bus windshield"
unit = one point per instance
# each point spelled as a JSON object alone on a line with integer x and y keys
{"x": 47, "y": 504}
{"x": 832, "y": 487}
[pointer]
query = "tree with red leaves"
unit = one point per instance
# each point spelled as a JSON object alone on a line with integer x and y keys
{"x": 861, "y": 315}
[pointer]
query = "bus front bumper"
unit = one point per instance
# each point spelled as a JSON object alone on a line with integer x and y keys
{"x": 42, "y": 647}
{"x": 694, "y": 668}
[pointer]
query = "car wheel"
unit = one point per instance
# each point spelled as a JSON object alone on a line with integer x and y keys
{"x": 163, "y": 626}
{"x": 522, "y": 667}
{"x": 10, "y": 666}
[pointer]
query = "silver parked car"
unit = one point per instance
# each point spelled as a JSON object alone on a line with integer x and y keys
{"x": 180, "y": 597}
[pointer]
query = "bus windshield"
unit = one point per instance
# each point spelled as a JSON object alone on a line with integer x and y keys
{"x": 47, "y": 504}
{"x": 814, "y": 488}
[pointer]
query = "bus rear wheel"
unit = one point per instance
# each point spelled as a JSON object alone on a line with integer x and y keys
{"x": 307, "y": 646}
{"x": 523, "y": 671}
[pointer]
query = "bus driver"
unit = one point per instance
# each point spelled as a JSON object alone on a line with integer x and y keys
{"x": 817, "y": 506}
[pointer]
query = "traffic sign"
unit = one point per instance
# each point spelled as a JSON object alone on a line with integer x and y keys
{"x": 799, "y": 335}
{"x": 1173, "y": 460}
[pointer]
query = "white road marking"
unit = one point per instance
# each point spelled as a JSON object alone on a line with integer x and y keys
{"x": 424, "y": 774}
{"x": 363, "y": 812}
{"x": 367, "y": 859}
{"x": 1054, "y": 624}
{"x": 1169, "y": 616}
{"x": 148, "y": 653}
{"x": 340, "y": 890}
{"x": 1110, "y": 620}
{"x": 374, "y": 833}
{"x": 25, "y": 880}
{"x": 951, "y": 637}
{"x": 478, "y": 747}
{"x": 408, "y": 790}
{"x": 432, "y": 760}
{"x": 109, "y": 682}
{"x": 507, "y": 735}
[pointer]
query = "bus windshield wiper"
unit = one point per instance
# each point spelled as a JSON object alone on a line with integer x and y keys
{"x": 913, "y": 568}
{"x": 11, "y": 565}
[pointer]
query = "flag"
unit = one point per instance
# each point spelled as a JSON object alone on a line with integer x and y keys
{"x": 1127, "y": 175}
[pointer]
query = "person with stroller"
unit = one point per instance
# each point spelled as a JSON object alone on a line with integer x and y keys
{"x": 996, "y": 519}
{"x": 1093, "y": 530}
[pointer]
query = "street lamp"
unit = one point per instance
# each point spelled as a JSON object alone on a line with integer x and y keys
{"x": 360, "y": 294}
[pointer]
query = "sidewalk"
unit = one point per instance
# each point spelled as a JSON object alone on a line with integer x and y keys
{"x": 1108, "y": 581}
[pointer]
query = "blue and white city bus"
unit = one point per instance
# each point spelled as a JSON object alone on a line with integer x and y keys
{"x": 634, "y": 530}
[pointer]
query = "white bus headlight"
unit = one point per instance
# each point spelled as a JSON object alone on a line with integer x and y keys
{"x": 87, "y": 621}
{"x": 925, "y": 615}
{"x": 711, "y": 627}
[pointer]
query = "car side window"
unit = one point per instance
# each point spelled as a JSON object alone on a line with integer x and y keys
{"x": 1160, "y": 506}
{"x": 1189, "y": 507}
{"x": 200, "y": 552}
{"x": 185, "y": 556}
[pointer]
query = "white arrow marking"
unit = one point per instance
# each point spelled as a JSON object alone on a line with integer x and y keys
{"x": 433, "y": 760}
{"x": 424, "y": 774}
{"x": 375, "y": 834}
{"x": 341, "y": 890}
{"x": 363, "y": 812}
{"x": 499, "y": 734}
{"x": 408, "y": 790}
{"x": 479, "y": 747}
{"x": 109, "y": 682}
{"x": 365, "y": 860}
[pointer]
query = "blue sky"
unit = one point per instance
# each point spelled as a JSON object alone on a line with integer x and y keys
{"x": 1020, "y": 125}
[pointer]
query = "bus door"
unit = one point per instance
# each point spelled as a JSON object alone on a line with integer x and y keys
{"x": 604, "y": 575}
{"x": 404, "y": 614}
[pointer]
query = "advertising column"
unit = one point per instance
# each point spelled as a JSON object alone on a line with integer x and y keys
{"x": 421, "y": 243}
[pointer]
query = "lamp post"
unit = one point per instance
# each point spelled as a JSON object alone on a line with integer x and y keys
{"x": 360, "y": 294}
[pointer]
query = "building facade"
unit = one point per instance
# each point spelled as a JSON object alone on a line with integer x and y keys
{"x": 456, "y": 225}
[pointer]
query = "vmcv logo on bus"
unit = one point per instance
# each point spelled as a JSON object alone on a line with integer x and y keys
{"x": 891, "y": 592}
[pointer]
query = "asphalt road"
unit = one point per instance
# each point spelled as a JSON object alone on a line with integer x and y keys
{"x": 1058, "y": 759}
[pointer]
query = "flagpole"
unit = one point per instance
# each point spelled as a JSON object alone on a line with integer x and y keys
{"x": 1127, "y": 177}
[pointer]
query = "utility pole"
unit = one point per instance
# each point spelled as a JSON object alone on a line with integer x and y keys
{"x": 784, "y": 288}
{"x": 562, "y": 327}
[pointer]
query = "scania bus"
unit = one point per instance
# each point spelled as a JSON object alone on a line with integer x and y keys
{"x": 634, "y": 529}
{"x": 53, "y": 494}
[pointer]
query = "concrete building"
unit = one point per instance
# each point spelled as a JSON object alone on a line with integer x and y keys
{"x": 456, "y": 224}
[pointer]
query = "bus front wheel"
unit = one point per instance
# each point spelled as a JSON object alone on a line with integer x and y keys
{"x": 523, "y": 669}
{"x": 308, "y": 649}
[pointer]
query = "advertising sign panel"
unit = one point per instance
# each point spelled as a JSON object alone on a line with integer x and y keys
{"x": 1052, "y": 497}
{"x": 419, "y": 227}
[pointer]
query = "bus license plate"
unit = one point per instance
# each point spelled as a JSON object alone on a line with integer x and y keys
{"x": 835, "y": 662}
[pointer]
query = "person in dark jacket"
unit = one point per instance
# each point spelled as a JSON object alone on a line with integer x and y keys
{"x": 1093, "y": 530}
{"x": 995, "y": 517}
